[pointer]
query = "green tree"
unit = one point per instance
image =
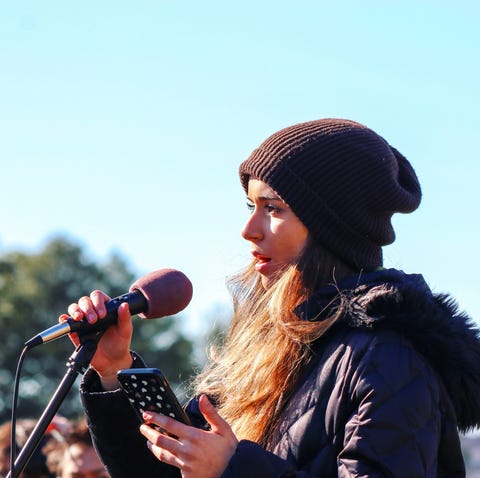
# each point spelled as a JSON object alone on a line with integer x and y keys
{"x": 35, "y": 289}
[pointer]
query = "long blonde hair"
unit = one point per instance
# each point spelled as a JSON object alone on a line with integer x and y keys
{"x": 267, "y": 345}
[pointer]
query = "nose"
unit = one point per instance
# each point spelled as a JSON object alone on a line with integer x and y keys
{"x": 252, "y": 230}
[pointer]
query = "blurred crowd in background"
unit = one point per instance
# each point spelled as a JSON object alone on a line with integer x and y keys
{"x": 66, "y": 450}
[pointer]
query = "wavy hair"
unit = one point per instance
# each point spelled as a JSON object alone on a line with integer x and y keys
{"x": 267, "y": 346}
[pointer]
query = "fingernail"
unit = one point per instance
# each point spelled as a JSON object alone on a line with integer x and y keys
{"x": 63, "y": 317}
{"x": 146, "y": 416}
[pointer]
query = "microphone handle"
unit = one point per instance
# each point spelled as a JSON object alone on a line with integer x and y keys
{"x": 136, "y": 302}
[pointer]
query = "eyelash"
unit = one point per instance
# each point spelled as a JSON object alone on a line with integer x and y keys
{"x": 269, "y": 207}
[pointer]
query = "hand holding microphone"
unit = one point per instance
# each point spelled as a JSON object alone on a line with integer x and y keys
{"x": 158, "y": 294}
{"x": 113, "y": 349}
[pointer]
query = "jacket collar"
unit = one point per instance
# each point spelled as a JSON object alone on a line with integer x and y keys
{"x": 325, "y": 301}
{"x": 447, "y": 338}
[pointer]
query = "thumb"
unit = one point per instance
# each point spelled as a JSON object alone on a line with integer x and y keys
{"x": 124, "y": 322}
{"x": 216, "y": 422}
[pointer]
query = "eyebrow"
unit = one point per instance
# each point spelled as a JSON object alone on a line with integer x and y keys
{"x": 267, "y": 198}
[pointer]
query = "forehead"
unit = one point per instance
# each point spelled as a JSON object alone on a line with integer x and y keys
{"x": 257, "y": 188}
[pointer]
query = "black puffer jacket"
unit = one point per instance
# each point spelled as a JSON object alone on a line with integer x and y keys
{"x": 383, "y": 395}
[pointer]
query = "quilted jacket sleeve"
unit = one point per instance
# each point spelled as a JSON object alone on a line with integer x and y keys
{"x": 114, "y": 429}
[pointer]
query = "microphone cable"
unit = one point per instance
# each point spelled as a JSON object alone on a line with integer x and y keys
{"x": 13, "y": 423}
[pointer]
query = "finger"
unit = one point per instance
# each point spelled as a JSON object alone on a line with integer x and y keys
{"x": 75, "y": 312}
{"x": 159, "y": 438}
{"x": 89, "y": 309}
{"x": 124, "y": 323}
{"x": 170, "y": 425}
{"x": 98, "y": 299}
{"x": 63, "y": 318}
{"x": 216, "y": 422}
{"x": 164, "y": 455}
{"x": 73, "y": 337}
{"x": 83, "y": 309}
{"x": 123, "y": 312}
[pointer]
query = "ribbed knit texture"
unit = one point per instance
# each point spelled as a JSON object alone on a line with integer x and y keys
{"x": 342, "y": 180}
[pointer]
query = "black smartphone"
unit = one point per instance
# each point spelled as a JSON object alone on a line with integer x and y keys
{"x": 148, "y": 390}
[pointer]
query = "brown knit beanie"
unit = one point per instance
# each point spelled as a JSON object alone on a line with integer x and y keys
{"x": 342, "y": 180}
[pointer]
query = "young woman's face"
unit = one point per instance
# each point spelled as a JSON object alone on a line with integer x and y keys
{"x": 276, "y": 235}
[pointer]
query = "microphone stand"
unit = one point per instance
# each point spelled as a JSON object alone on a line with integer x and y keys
{"x": 77, "y": 363}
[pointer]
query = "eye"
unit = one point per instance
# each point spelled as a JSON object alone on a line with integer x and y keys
{"x": 271, "y": 208}
{"x": 250, "y": 206}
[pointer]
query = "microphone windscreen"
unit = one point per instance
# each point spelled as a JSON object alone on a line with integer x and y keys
{"x": 167, "y": 291}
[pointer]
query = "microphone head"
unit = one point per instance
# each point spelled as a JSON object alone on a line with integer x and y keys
{"x": 167, "y": 291}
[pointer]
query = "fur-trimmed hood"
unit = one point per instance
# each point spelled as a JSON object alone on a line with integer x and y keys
{"x": 448, "y": 338}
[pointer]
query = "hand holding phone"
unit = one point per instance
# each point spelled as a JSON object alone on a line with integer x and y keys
{"x": 148, "y": 390}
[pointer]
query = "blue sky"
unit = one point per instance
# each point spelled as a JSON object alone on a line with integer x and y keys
{"x": 122, "y": 124}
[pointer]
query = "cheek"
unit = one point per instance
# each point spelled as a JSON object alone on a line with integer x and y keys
{"x": 298, "y": 245}
{"x": 292, "y": 244}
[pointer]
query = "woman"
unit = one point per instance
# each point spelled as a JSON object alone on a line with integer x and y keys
{"x": 333, "y": 366}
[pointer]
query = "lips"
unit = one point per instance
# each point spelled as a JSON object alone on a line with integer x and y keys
{"x": 260, "y": 257}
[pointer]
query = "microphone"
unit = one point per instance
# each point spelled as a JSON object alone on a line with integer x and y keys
{"x": 157, "y": 294}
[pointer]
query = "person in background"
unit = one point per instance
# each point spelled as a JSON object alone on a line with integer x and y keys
{"x": 72, "y": 455}
{"x": 334, "y": 365}
{"x": 37, "y": 465}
